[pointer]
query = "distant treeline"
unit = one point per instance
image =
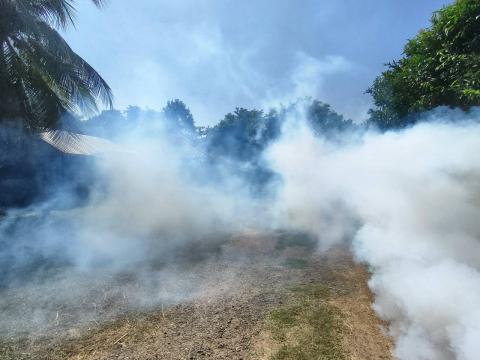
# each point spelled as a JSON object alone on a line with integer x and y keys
{"x": 440, "y": 68}
{"x": 30, "y": 168}
{"x": 241, "y": 134}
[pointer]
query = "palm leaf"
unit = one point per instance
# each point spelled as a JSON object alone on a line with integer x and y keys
{"x": 38, "y": 68}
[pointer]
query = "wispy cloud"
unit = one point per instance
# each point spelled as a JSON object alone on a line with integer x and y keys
{"x": 216, "y": 55}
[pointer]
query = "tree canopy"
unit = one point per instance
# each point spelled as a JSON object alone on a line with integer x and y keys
{"x": 240, "y": 134}
{"x": 179, "y": 115}
{"x": 244, "y": 134}
{"x": 440, "y": 67}
{"x": 41, "y": 77}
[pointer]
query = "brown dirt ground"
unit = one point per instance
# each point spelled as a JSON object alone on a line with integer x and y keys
{"x": 228, "y": 319}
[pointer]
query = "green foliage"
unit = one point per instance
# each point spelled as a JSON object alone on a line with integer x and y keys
{"x": 175, "y": 118}
{"x": 440, "y": 67}
{"x": 41, "y": 77}
{"x": 237, "y": 143}
{"x": 177, "y": 113}
{"x": 243, "y": 134}
{"x": 326, "y": 122}
{"x": 108, "y": 124}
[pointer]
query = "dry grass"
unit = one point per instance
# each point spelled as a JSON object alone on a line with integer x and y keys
{"x": 258, "y": 308}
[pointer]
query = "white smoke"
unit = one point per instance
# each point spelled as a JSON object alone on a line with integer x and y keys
{"x": 156, "y": 219}
{"x": 407, "y": 202}
{"x": 156, "y": 200}
{"x": 411, "y": 200}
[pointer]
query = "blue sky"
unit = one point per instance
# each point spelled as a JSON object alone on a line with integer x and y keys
{"x": 216, "y": 55}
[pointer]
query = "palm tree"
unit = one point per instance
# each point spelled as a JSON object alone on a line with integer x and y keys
{"x": 41, "y": 77}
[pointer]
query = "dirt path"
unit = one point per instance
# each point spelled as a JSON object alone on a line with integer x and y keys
{"x": 265, "y": 304}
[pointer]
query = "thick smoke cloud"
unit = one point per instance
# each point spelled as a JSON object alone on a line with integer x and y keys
{"x": 153, "y": 214}
{"x": 406, "y": 202}
{"x": 411, "y": 200}
{"x": 158, "y": 198}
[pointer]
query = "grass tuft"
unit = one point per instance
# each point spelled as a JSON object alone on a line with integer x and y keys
{"x": 295, "y": 239}
{"x": 295, "y": 263}
{"x": 311, "y": 328}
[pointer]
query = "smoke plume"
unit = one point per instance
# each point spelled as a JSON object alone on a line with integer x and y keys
{"x": 153, "y": 214}
{"x": 408, "y": 202}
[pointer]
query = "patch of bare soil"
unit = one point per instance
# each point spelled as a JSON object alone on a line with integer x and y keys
{"x": 231, "y": 317}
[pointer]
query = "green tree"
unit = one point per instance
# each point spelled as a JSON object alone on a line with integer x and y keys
{"x": 41, "y": 77}
{"x": 325, "y": 121}
{"x": 440, "y": 67}
{"x": 239, "y": 135}
{"x": 179, "y": 115}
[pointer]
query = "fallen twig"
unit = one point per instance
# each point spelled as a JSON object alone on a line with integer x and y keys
{"x": 120, "y": 338}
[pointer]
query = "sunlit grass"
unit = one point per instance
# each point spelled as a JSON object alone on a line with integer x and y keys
{"x": 295, "y": 263}
{"x": 295, "y": 239}
{"x": 309, "y": 328}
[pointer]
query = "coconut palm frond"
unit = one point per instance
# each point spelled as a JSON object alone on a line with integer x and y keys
{"x": 41, "y": 77}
